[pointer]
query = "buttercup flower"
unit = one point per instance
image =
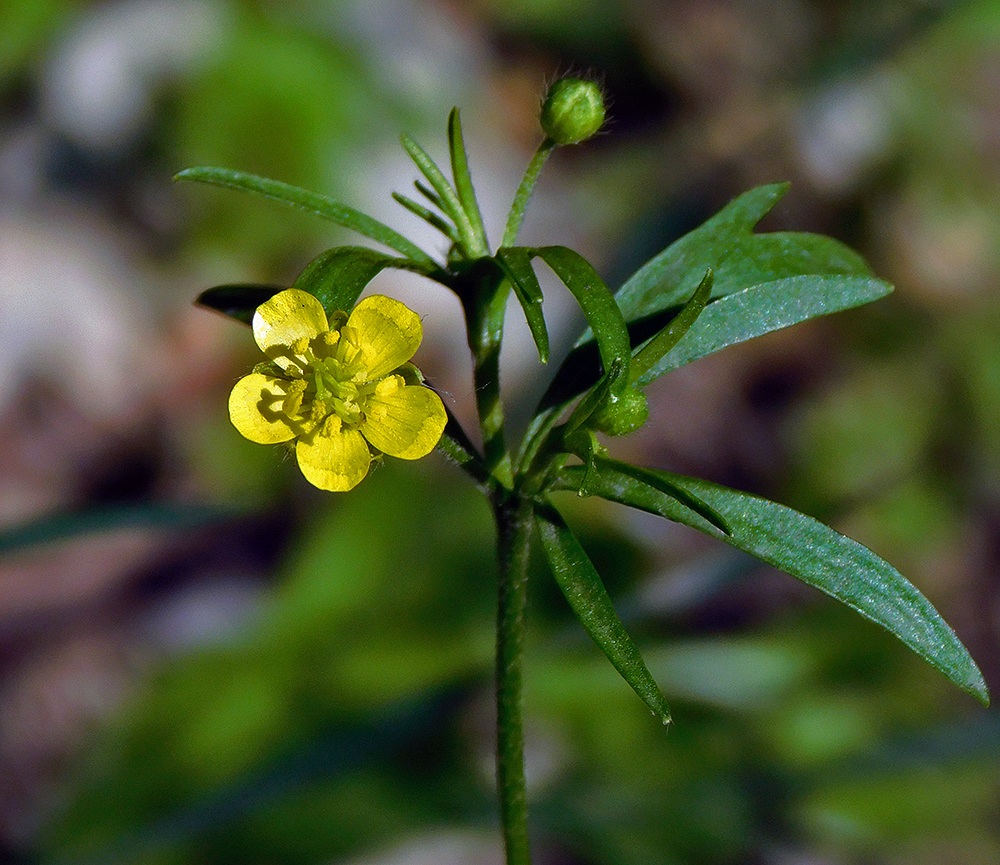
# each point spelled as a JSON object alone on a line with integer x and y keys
{"x": 342, "y": 391}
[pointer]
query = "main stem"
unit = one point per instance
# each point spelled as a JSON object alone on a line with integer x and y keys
{"x": 485, "y": 297}
{"x": 514, "y": 521}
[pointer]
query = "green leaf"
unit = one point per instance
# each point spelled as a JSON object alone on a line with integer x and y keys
{"x": 724, "y": 322}
{"x": 658, "y": 346}
{"x": 809, "y": 551}
{"x": 65, "y": 526}
{"x": 516, "y": 264}
{"x": 599, "y": 307}
{"x": 312, "y": 202}
{"x": 429, "y": 216}
{"x": 447, "y": 197}
{"x": 463, "y": 180}
{"x": 764, "y": 308}
{"x": 582, "y": 586}
{"x": 238, "y": 301}
{"x": 658, "y": 481}
{"x": 338, "y": 276}
{"x": 726, "y": 243}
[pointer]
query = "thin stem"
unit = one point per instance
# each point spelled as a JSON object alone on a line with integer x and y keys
{"x": 514, "y": 522}
{"x": 520, "y": 205}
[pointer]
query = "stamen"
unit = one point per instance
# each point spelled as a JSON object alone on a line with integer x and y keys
{"x": 293, "y": 400}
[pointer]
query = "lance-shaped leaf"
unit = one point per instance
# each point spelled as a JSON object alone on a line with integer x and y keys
{"x": 238, "y": 301}
{"x": 311, "y": 202}
{"x": 599, "y": 307}
{"x": 726, "y": 243}
{"x": 338, "y": 276}
{"x": 516, "y": 264}
{"x": 806, "y": 549}
{"x": 582, "y": 586}
{"x": 726, "y": 321}
{"x": 765, "y": 308}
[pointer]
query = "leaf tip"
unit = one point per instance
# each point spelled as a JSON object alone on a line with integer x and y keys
{"x": 978, "y": 689}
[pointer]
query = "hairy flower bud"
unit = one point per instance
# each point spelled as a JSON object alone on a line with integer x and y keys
{"x": 573, "y": 111}
{"x": 621, "y": 415}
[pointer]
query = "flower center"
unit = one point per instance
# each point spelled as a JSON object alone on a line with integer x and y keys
{"x": 327, "y": 382}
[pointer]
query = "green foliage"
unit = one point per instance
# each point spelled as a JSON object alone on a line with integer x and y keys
{"x": 727, "y": 285}
{"x": 809, "y": 551}
{"x": 738, "y": 257}
{"x": 582, "y": 586}
{"x": 720, "y": 285}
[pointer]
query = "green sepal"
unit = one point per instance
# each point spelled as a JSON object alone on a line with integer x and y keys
{"x": 516, "y": 264}
{"x": 598, "y": 305}
{"x": 338, "y": 276}
{"x": 804, "y": 548}
{"x": 312, "y": 202}
{"x": 589, "y": 600}
{"x": 238, "y": 301}
{"x": 726, "y": 243}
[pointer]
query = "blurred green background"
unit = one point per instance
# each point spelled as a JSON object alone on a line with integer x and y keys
{"x": 206, "y": 661}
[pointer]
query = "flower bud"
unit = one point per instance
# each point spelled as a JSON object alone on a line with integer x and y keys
{"x": 621, "y": 415}
{"x": 573, "y": 111}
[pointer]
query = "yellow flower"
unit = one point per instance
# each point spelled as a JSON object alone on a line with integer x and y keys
{"x": 340, "y": 392}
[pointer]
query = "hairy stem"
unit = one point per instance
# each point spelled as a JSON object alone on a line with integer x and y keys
{"x": 514, "y": 522}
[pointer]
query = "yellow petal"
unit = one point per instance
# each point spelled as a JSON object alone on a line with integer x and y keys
{"x": 288, "y": 316}
{"x": 388, "y": 334}
{"x": 256, "y": 410}
{"x": 404, "y": 421}
{"x": 333, "y": 457}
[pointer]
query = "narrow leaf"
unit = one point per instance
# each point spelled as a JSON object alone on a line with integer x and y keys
{"x": 588, "y": 598}
{"x": 764, "y": 308}
{"x": 726, "y": 243}
{"x": 429, "y": 194}
{"x": 598, "y": 305}
{"x": 429, "y": 216}
{"x": 811, "y": 552}
{"x": 654, "y": 350}
{"x": 516, "y": 264}
{"x": 237, "y": 301}
{"x": 73, "y": 524}
{"x": 726, "y": 321}
{"x": 463, "y": 179}
{"x": 659, "y": 481}
{"x": 312, "y": 202}
{"x": 449, "y": 200}
{"x": 338, "y": 276}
